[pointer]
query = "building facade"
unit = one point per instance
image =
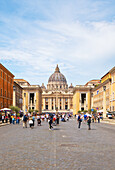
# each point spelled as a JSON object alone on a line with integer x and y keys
{"x": 6, "y": 87}
{"x": 103, "y": 94}
{"x": 97, "y": 94}
{"x": 57, "y": 96}
{"x": 31, "y": 95}
{"x": 17, "y": 95}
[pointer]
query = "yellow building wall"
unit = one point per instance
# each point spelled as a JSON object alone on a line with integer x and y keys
{"x": 89, "y": 100}
{"x": 76, "y": 104}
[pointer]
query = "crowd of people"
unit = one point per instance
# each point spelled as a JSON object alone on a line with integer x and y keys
{"x": 52, "y": 119}
{"x": 12, "y": 118}
{"x": 87, "y": 118}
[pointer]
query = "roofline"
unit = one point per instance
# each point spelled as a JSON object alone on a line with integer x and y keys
{"x": 3, "y": 67}
{"x": 110, "y": 71}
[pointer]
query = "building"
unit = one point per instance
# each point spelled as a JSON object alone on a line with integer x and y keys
{"x": 103, "y": 94}
{"x": 31, "y": 95}
{"x": 6, "y": 87}
{"x": 17, "y": 95}
{"x": 81, "y": 98}
{"x": 96, "y": 94}
{"x": 57, "y": 96}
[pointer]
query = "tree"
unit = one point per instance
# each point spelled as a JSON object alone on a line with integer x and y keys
{"x": 30, "y": 110}
{"x": 79, "y": 111}
{"x": 15, "y": 109}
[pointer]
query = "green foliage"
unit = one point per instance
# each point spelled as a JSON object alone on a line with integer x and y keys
{"x": 85, "y": 111}
{"x": 36, "y": 111}
{"x": 18, "y": 114}
{"x": 15, "y": 108}
{"x": 12, "y": 108}
{"x": 79, "y": 111}
{"x": 30, "y": 110}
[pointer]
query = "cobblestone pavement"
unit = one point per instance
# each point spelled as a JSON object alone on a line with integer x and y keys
{"x": 65, "y": 147}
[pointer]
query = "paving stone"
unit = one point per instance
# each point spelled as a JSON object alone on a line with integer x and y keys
{"x": 65, "y": 147}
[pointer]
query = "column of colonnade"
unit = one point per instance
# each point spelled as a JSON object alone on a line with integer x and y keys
{"x": 62, "y": 103}
{"x": 58, "y": 103}
{"x": 54, "y": 104}
{"x": 68, "y": 103}
{"x": 43, "y": 103}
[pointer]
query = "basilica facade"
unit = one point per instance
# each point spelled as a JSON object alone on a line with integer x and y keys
{"x": 57, "y": 96}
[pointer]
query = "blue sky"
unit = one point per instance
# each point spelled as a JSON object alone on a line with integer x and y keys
{"x": 78, "y": 35}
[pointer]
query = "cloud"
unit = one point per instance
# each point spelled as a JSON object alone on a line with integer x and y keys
{"x": 51, "y": 35}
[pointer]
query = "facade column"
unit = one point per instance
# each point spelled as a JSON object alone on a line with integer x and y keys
{"x": 104, "y": 101}
{"x": 54, "y": 103}
{"x": 31, "y": 103}
{"x": 68, "y": 103}
{"x": 24, "y": 103}
{"x": 14, "y": 96}
{"x": 35, "y": 100}
{"x": 91, "y": 100}
{"x": 50, "y": 104}
{"x": 43, "y": 103}
{"x": 58, "y": 103}
{"x": 62, "y": 102}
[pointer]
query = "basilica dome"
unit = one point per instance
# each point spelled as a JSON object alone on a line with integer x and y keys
{"x": 57, "y": 80}
{"x": 57, "y": 76}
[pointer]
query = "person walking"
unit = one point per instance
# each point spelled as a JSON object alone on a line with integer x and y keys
{"x": 25, "y": 121}
{"x": 79, "y": 121}
{"x": 2, "y": 118}
{"x": 98, "y": 118}
{"x": 89, "y": 122}
{"x": 50, "y": 123}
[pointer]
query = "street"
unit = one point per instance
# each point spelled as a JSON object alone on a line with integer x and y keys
{"x": 65, "y": 147}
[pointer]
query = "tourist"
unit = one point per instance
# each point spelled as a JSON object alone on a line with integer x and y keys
{"x": 6, "y": 119}
{"x": 31, "y": 122}
{"x": 18, "y": 120}
{"x": 25, "y": 121}
{"x": 79, "y": 121}
{"x": 89, "y": 122}
{"x": 38, "y": 120}
{"x": 33, "y": 118}
{"x": 85, "y": 117}
{"x": 50, "y": 123}
{"x": 98, "y": 118}
{"x": 2, "y": 118}
{"x": 13, "y": 120}
{"x": 10, "y": 117}
{"x": 57, "y": 119}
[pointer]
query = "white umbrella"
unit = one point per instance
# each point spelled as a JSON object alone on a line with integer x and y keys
{"x": 88, "y": 114}
{"x": 5, "y": 109}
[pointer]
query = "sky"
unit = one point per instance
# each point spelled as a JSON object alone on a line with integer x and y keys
{"x": 78, "y": 35}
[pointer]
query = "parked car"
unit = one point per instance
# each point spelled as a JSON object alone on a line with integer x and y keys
{"x": 110, "y": 115}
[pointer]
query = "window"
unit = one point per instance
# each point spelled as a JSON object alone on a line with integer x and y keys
{"x": 1, "y": 73}
{"x": 46, "y": 107}
{"x": 66, "y": 107}
{"x": 66, "y": 100}
{"x": 1, "y": 104}
{"x": 5, "y": 93}
{"x": 46, "y": 99}
{"x": 1, "y": 92}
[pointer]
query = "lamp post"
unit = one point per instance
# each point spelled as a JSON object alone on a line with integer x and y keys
{"x": 104, "y": 101}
